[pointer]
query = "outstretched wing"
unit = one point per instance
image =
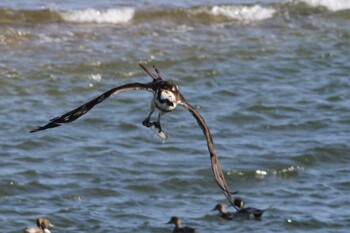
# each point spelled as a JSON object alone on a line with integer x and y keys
{"x": 79, "y": 111}
{"x": 219, "y": 176}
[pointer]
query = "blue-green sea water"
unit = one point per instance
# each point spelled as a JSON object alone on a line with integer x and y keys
{"x": 271, "y": 79}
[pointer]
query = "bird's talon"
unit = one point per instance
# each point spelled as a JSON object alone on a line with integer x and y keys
{"x": 147, "y": 123}
{"x": 157, "y": 126}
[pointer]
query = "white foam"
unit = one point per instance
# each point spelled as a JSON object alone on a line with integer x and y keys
{"x": 96, "y": 77}
{"x": 114, "y": 16}
{"x": 332, "y": 5}
{"x": 244, "y": 13}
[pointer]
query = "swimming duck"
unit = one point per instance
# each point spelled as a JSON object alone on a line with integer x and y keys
{"x": 247, "y": 212}
{"x": 178, "y": 229}
{"x": 222, "y": 212}
{"x": 43, "y": 225}
{"x": 166, "y": 97}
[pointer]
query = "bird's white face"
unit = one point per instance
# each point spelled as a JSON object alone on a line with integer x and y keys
{"x": 166, "y": 100}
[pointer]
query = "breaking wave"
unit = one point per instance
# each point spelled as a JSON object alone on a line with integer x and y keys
{"x": 203, "y": 14}
{"x": 331, "y": 5}
{"x": 113, "y": 16}
{"x": 244, "y": 13}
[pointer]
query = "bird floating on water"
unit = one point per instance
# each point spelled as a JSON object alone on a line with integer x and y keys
{"x": 222, "y": 212}
{"x": 242, "y": 213}
{"x": 43, "y": 225}
{"x": 247, "y": 212}
{"x": 178, "y": 229}
{"x": 166, "y": 97}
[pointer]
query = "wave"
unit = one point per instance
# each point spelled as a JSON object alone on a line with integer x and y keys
{"x": 113, "y": 16}
{"x": 202, "y": 14}
{"x": 283, "y": 172}
{"x": 331, "y": 5}
{"x": 244, "y": 13}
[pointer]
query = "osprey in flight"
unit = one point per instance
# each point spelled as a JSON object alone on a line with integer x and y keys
{"x": 166, "y": 97}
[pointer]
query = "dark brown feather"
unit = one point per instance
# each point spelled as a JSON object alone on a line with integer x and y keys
{"x": 218, "y": 175}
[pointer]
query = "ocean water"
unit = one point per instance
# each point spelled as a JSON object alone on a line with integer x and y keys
{"x": 271, "y": 79}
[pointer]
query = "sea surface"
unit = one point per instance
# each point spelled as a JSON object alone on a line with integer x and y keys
{"x": 271, "y": 79}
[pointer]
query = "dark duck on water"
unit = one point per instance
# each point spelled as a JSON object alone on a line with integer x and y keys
{"x": 241, "y": 213}
{"x": 166, "y": 97}
{"x": 247, "y": 212}
{"x": 42, "y": 226}
{"x": 222, "y": 212}
{"x": 178, "y": 229}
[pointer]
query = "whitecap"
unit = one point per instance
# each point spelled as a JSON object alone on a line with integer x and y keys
{"x": 96, "y": 77}
{"x": 260, "y": 174}
{"x": 244, "y": 13}
{"x": 114, "y": 16}
{"x": 332, "y": 5}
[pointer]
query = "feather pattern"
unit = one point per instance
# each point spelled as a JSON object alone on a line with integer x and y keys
{"x": 166, "y": 98}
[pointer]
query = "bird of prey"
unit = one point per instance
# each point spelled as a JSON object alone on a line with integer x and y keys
{"x": 166, "y": 97}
